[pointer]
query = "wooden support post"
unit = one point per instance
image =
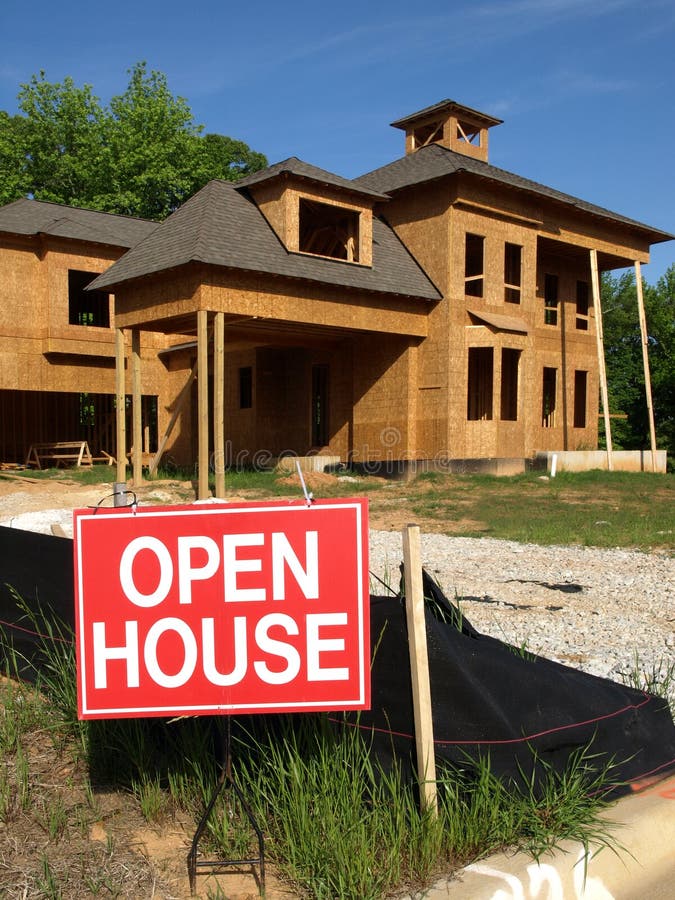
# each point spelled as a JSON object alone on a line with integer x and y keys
{"x": 203, "y": 404}
{"x": 120, "y": 407}
{"x": 419, "y": 668}
{"x": 599, "y": 339}
{"x": 645, "y": 361}
{"x": 136, "y": 408}
{"x": 219, "y": 403}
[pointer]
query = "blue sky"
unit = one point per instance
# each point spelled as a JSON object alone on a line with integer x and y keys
{"x": 586, "y": 88}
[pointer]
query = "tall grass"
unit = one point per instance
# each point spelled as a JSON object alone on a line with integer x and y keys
{"x": 337, "y": 823}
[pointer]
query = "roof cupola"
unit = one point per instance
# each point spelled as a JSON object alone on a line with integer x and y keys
{"x": 451, "y": 125}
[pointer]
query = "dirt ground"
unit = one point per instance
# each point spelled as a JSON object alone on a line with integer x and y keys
{"x": 119, "y": 846}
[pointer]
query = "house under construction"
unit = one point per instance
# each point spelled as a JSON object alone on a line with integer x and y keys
{"x": 438, "y": 308}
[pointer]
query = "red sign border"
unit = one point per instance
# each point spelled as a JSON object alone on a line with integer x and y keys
{"x": 362, "y": 701}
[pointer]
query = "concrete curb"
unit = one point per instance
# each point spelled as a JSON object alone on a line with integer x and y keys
{"x": 643, "y": 867}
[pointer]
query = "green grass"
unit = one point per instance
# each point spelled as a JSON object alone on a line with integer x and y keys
{"x": 599, "y": 509}
{"x": 337, "y": 825}
{"x": 589, "y": 508}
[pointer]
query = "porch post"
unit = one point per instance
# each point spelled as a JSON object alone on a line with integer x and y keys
{"x": 137, "y": 451}
{"x": 202, "y": 405}
{"x": 645, "y": 361}
{"x": 595, "y": 282}
{"x": 219, "y": 402}
{"x": 120, "y": 408}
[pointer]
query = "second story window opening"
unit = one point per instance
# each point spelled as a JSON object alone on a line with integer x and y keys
{"x": 582, "y": 306}
{"x": 327, "y": 230}
{"x": 86, "y": 307}
{"x": 550, "y": 300}
{"x": 473, "y": 265}
{"x": 512, "y": 272}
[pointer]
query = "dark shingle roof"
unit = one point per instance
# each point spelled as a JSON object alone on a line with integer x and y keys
{"x": 39, "y": 217}
{"x": 434, "y": 161}
{"x": 300, "y": 169}
{"x": 447, "y": 106}
{"x": 222, "y": 226}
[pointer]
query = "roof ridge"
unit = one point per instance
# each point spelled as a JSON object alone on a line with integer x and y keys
{"x": 70, "y": 206}
{"x": 199, "y": 252}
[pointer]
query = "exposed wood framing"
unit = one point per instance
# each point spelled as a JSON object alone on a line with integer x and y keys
{"x": 219, "y": 402}
{"x": 120, "y": 394}
{"x": 202, "y": 404}
{"x": 645, "y": 362}
{"x": 599, "y": 337}
{"x": 136, "y": 408}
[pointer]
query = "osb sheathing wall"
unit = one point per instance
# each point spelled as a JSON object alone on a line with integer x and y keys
{"x": 385, "y": 399}
{"x": 433, "y": 223}
{"x": 420, "y": 218}
{"x": 268, "y": 299}
{"x": 39, "y": 349}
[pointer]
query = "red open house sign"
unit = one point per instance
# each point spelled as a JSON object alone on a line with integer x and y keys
{"x": 222, "y": 608}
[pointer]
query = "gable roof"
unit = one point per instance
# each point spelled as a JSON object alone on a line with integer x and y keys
{"x": 32, "y": 217}
{"x": 221, "y": 226}
{"x": 434, "y": 161}
{"x": 305, "y": 171}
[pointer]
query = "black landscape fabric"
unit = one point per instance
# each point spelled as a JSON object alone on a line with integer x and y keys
{"x": 488, "y": 698}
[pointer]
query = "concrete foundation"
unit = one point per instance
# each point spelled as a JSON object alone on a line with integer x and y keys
{"x": 584, "y": 460}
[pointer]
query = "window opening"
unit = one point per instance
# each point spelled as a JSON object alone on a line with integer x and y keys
{"x": 582, "y": 306}
{"x": 86, "y": 307}
{"x": 327, "y": 230}
{"x": 550, "y": 300}
{"x": 428, "y": 134}
{"x": 468, "y": 134}
{"x": 246, "y": 387}
{"x": 473, "y": 265}
{"x": 548, "y": 397}
{"x": 480, "y": 381}
{"x": 509, "y": 392}
{"x": 512, "y": 269}
{"x": 319, "y": 405}
{"x": 580, "y": 390}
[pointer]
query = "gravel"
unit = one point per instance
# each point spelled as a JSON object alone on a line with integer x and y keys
{"x": 597, "y": 610}
{"x": 603, "y": 611}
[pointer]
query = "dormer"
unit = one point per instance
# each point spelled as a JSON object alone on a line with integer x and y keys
{"x": 315, "y": 212}
{"x": 451, "y": 125}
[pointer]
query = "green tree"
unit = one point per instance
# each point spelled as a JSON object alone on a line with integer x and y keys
{"x": 142, "y": 155}
{"x": 623, "y": 355}
{"x": 12, "y": 161}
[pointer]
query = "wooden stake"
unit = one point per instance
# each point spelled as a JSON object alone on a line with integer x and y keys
{"x": 599, "y": 339}
{"x": 219, "y": 402}
{"x": 136, "y": 408}
{"x": 419, "y": 668}
{"x": 645, "y": 361}
{"x": 120, "y": 417}
{"x": 203, "y": 404}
